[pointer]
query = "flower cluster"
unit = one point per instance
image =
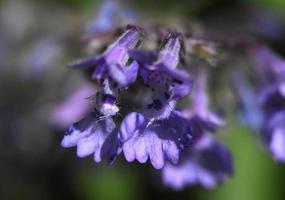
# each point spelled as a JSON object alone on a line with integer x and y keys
{"x": 152, "y": 102}
{"x": 174, "y": 140}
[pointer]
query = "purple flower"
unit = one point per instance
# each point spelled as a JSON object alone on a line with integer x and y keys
{"x": 268, "y": 62}
{"x": 73, "y": 108}
{"x": 272, "y": 97}
{"x": 160, "y": 74}
{"x": 95, "y": 134}
{"x": 157, "y": 140}
{"x": 159, "y": 70}
{"x": 274, "y": 135}
{"x": 202, "y": 119}
{"x": 206, "y": 163}
{"x": 113, "y": 62}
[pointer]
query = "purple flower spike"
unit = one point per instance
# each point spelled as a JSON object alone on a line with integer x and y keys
{"x": 92, "y": 135}
{"x": 207, "y": 163}
{"x": 274, "y": 135}
{"x": 114, "y": 61}
{"x": 157, "y": 140}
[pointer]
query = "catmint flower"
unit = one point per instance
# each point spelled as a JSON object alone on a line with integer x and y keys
{"x": 113, "y": 63}
{"x": 274, "y": 135}
{"x": 159, "y": 72}
{"x": 95, "y": 134}
{"x": 160, "y": 131}
{"x": 207, "y": 163}
{"x": 157, "y": 140}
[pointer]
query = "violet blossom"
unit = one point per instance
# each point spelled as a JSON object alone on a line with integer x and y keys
{"x": 272, "y": 99}
{"x": 205, "y": 162}
{"x": 159, "y": 72}
{"x": 92, "y": 133}
{"x": 113, "y": 63}
{"x": 160, "y": 132}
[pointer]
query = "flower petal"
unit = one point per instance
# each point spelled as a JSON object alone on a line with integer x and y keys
{"x": 79, "y": 130}
{"x": 128, "y": 149}
{"x": 131, "y": 123}
{"x": 86, "y": 146}
{"x": 140, "y": 148}
{"x": 155, "y": 153}
{"x": 124, "y": 75}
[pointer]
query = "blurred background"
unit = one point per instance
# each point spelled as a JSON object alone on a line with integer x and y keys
{"x": 39, "y": 37}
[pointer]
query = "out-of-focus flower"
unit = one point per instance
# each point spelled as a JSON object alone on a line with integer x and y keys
{"x": 111, "y": 16}
{"x": 207, "y": 163}
{"x": 106, "y": 20}
{"x": 74, "y": 108}
{"x": 42, "y": 55}
{"x": 272, "y": 99}
{"x": 274, "y": 135}
{"x": 202, "y": 118}
{"x": 268, "y": 62}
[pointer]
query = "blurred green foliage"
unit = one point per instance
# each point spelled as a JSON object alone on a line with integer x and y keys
{"x": 109, "y": 183}
{"x": 276, "y": 4}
